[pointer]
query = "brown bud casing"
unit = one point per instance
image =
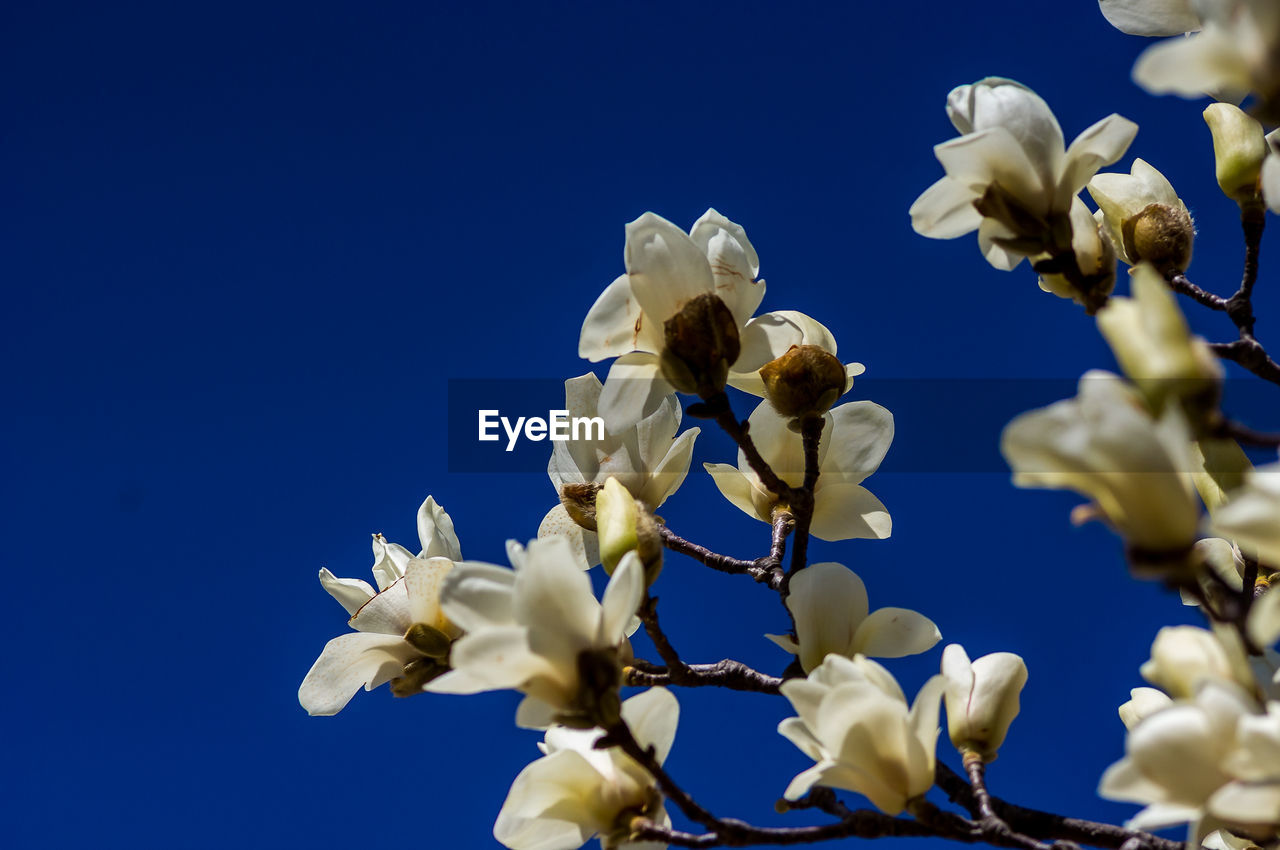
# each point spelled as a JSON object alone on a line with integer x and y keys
{"x": 579, "y": 502}
{"x": 805, "y": 381}
{"x": 1161, "y": 235}
{"x": 701, "y": 344}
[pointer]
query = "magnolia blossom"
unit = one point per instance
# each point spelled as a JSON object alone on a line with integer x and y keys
{"x": 1122, "y": 198}
{"x": 854, "y": 722}
{"x": 666, "y": 268}
{"x": 1235, "y": 52}
{"x": 646, "y": 458}
{"x": 576, "y": 791}
{"x": 829, "y": 605}
{"x": 854, "y": 441}
{"x": 1154, "y": 346}
{"x": 386, "y": 644}
{"x": 533, "y": 628}
{"x": 1094, "y": 255}
{"x": 1142, "y": 703}
{"x": 769, "y": 336}
{"x": 981, "y": 698}
{"x": 1104, "y": 445}
{"x": 1252, "y": 798}
{"x": 1175, "y": 758}
{"x": 1252, "y": 517}
{"x": 1011, "y": 161}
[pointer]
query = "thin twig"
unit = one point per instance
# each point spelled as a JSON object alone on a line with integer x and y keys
{"x": 730, "y": 674}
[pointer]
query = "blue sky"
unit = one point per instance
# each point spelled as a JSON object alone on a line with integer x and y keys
{"x": 245, "y": 248}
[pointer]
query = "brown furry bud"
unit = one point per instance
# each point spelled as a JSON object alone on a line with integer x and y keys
{"x": 1161, "y": 235}
{"x": 701, "y": 344}
{"x": 579, "y": 502}
{"x": 805, "y": 381}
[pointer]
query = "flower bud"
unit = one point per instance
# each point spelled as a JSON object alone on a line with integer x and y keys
{"x": 579, "y": 502}
{"x": 805, "y": 381}
{"x": 701, "y": 344}
{"x": 1161, "y": 235}
{"x": 1239, "y": 149}
{"x": 981, "y": 698}
{"x": 1183, "y": 656}
{"x": 624, "y": 525}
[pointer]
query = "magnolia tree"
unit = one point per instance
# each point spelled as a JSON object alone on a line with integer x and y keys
{"x": 1149, "y": 450}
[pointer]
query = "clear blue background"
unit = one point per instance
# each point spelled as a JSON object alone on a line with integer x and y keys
{"x": 246, "y": 245}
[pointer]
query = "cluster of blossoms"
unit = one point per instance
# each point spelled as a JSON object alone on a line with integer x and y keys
{"x": 1148, "y": 447}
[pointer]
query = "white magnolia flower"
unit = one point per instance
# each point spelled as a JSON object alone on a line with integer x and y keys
{"x": 854, "y": 441}
{"x": 981, "y": 698}
{"x": 1175, "y": 758}
{"x": 666, "y": 268}
{"x": 1236, "y": 51}
{"x": 854, "y": 722}
{"x": 1153, "y": 345}
{"x": 1151, "y": 17}
{"x": 769, "y": 336}
{"x": 832, "y": 615}
{"x": 1095, "y": 257}
{"x": 532, "y": 628}
{"x": 1011, "y": 153}
{"x": 1252, "y": 517}
{"x": 383, "y": 647}
{"x": 1104, "y": 445}
{"x": 1183, "y": 657}
{"x": 646, "y": 458}
{"x": 1122, "y": 198}
{"x": 576, "y": 791}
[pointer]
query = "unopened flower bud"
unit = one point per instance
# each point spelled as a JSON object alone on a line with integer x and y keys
{"x": 981, "y": 698}
{"x": 701, "y": 344}
{"x": 1183, "y": 656}
{"x": 805, "y": 381}
{"x": 1161, "y": 235}
{"x": 1239, "y": 149}
{"x": 579, "y": 502}
{"x": 625, "y": 525}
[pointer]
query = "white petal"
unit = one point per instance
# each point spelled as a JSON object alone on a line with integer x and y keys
{"x": 423, "y": 581}
{"x": 1151, "y": 17}
{"x": 1192, "y": 66}
{"x": 1247, "y": 803}
{"x": 859, "y": 434}
{"x": 347, "y": 663}
{"x": 1100, "y": 144}
{"x": 795, "y": 731}
{"x": 547, "y": 807}
{"x": 653, "y": 716}
{"x": 533, "y": 713}
{"x": 847, "y": 512}
{"x": 1264, "y": 619}
{"x": 553, "y": 599}
{"x": 389, "y": 561}
{"x": 945, "y": 210}
{"x": 667, "y": 269}
{"x": 435, "y": 531}
{"x": 633, "y": 390}
{"x": 1271, "y": 181}
{"x": 615, "y": 325}
{"x": 734, "y": 486}
{"x": 667, "y": 476}
{"x": 993, "y": 156}
{"x": 475, "y": 595}
{"x": 828, "y": 602}
{"x": 387, "y": 613}
{"x": 351, "y": 593}
{"x": 786, "y": 643}
{"x": 733, "y": 261}
{"x": 583, "y": 543}
{"x": 621, "y": 599}
{"x": 498, "y": 657}
{"x": 894, "y": 633}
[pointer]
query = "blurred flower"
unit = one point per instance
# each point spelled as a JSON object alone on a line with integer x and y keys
{"x": 854, "y": 441}
{"x": 401, "y": 633}
{"x": 1252, "y": 517}
{"x": 1236, "y": 52}
{"x": 1103, "y": 444}
{"x": 854, "y": 722}
{"x": 1142, "y": 703}
{"x": 1155, "y": 348}
{"x": 576, "y": 791}
{"x": 1151, "y": 17}
{"x": 981, "y": 698}
{"x": 1175, "y": 758}
{"x": 666, "y": 270}
{"x": 647, "y": 458}
{"x": 1239, "y": 150}
{"x": 1009, "y": 175}
{"x": 829, "y": 605}
{"x": 539, "y": 629}
{"x": 1183, "y": 657}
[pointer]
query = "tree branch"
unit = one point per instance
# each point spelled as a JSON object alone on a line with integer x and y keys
{"x": 730, "y": 674}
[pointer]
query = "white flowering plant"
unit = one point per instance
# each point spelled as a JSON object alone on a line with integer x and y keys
{"x": 1150, "y": 449}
